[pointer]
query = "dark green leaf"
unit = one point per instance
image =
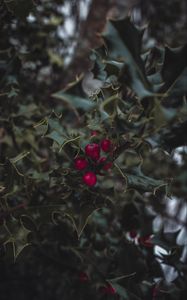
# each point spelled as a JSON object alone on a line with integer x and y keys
{"x": 74, "y": 101}
{"x": 174, "y": 64}
{"x": 120, "y": 49}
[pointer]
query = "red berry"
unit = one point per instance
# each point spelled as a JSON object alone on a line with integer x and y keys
{"x": 133, "y": 234}
{"x": 102, "y": 160}
{"x": 111, "y": 290}
{"x": 145, "y": 241}
{"x": 93, "y": 151}
{"x": 94, "y": 133}
{"x": 80, "y": 163}
{"x": 106, "y": 145}
{"x": 155, "y": 291}
{"x": 83, "y": 277}
{"x": 90, "y": 178}
{"x": 106, "y": 166}
{"x": 108, "y": 290}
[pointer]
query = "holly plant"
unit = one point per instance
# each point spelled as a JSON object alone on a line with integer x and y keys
{"x": 88, "y": 166}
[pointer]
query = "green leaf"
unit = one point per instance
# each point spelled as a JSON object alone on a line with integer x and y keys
{"x": 74, "y": 101}
{"x": 26, "y": 110}
{"x": 9, "y": 252}
{"x": 54, "y": 124}
{"x": 28, "y": 223}
{"x": 156, "y": 81}
{"x": 55, "y": 58}
{"x": 13, "y": 93}
{"x": 39, "y": 176}
{"x": 99, "y": 67}
{"x": 179, "y": 86}
{"x": 17, "y": 236}
{"x": 117, "y": 36}
{"x": 120, "y": 290}
{"x": 82, "y": 219}
{"x": 174, "y": 65}
{"x": 9, "y": 177}
{"x": 19, "y": 157}
{"x": 139, "y": 181}
{"x": 81, "y": 216}
{"x": 56, "y": 136}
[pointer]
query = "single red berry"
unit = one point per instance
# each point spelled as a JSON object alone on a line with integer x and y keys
{"x": 133, "y": 234}
{"x": 145, "y": 241}
{"x": 94, "y": 133}
{"x": 102, "y": 160}
{"x": 80, "y": 163}
{"x": 93, "y": 151}
{"x": 106, "y": 145}
{"x": 108, "y": 290}
{"x": 107, "y": 166}
{"x": 83, "y": 277}
{"x": 90, "y": 178}
{"x": 111, "y": 290}
{"x": 155, "y": 291}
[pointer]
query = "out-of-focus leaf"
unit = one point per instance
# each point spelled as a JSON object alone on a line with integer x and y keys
{"x": 74, "y": 101}
{"x": 21, "y": 8}
{"x": 9, "y": 252}
{"x": 19, "y": 157}
{"x": 8, "y": 172}
{"x": 26, "y": 110}
{"x": 56, "y": 136}
{"x": 43, "y": 176}
{"x": 91, "y": 85}
{"x": 13, "y": 93}
{"x": 99, "y": 67}
{"x": 28, "y": 223}
{"x": 179, "y": 87}
{"x": 55, "y": 58}
{"x": 120, "y": 290}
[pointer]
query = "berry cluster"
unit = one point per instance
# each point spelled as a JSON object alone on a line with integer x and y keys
{"x": 93, "y": 163}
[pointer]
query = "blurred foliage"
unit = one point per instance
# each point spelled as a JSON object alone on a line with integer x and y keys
{"x": 52, "y": 226}
{"x": 167, "y": 20}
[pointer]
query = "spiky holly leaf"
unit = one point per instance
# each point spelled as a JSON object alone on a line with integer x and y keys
{"x": 16, "y": 234}
{"x": 137, "y": 180}
{"x": 123, "y": 43}
{"x": 174, "y": 65}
